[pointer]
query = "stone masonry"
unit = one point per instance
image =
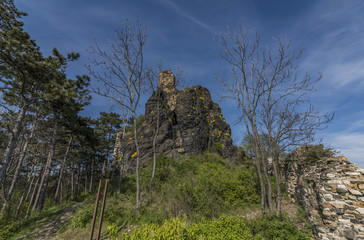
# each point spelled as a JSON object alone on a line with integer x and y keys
{"x": 331, "y": 191}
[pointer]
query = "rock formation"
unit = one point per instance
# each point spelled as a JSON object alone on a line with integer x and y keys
{"x": 186, "y": 121}
{"x": 331, "y": 191}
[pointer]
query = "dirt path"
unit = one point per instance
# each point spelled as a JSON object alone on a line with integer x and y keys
{"x": 47, "y": 229}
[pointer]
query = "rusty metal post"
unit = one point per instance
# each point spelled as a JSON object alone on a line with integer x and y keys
{"x": 95, "y": 211}
{"x": 102, "y": 209}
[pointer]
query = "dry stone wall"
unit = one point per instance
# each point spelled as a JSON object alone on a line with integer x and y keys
{"x": 331, "y": 191}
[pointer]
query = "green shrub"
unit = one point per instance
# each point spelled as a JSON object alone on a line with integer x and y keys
{"x": 198, "y": 186}
{"x": 212, "y": 186}
{"x": 217, "y": 147}
{"x": 8, "y": 228}
{"x": 113, "y": 231}
{"x": 83, "y": 216}
{"x": 179, "y": 228}
{"x": 272, "y": 227}
{"x": 311, "y": 153}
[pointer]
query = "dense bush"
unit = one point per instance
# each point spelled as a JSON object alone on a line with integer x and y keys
{"x": 267, "y": 227}
{"x": 311, "y": 153}
{"x": 7, "y": 228}
{"x": 178, "y": 228}
{"x": 203, "y": 185}
{"x": 83, "y": 216}
{"x": 272, "y": 227}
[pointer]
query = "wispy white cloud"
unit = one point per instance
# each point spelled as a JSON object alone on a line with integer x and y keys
{"x": 332, "y": 35}
{"x": 341, "y": 74}
{"x": 183, "y": 13}
{"x": 351, "y": 145}
{"x": 334, "y": 41}
{"x": 349, "y": 140}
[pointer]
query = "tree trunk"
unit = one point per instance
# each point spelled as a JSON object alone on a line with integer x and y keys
{"x": 103, "y": 170}
{"x": 104, "y": 166}
{"x": 154, "y": 156}
{"x": 154, "y": 143}
{"x": 26, "y": 193}
{"x": 34, "y": 191}
{"x": 61, "y": 193}
{"x": 85, "y": 173}
{"x": 19, "y": 165}
{"x": 137, "y": 209}
{"x": 42, "y": 191}
{"x": 121, "y": 175}
{"x": 78, "y": 172}
{"x": 29, "y": 188}
{"x": 60, "y": 178}
{"x": 269, "y": 184}
{"x": 68, "y": 186}
{"x": 258, "y": 156}
{"x": 72, "y": 179}
{"x": 122, "y": 158}
{"x": 279, "y": 193}
{"x": 12, "y": 142}
{"x": 261, "y": 182}
{"x": 92, "y": 174}
{"x": 30, "y": 182}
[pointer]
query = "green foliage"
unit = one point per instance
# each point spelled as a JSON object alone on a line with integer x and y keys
{"x": 139, "y": 121}
{"x": 272, "y": 227}
{"x": 217, "y": 147}
{"x": 179, "y": 228}
{"x": 200, "y": 187}
{"x": 302, "y": 216}
{"x": 83, "y": 216}
{"x": 20, "y": 227}
{"x": 7, "y": 228}
{"x": 311, "y": 153}
{"x": 203, "y": 186}
{"x": 106, "y": 126}
{"x": 113, "y": 231}
{"x": 264, "y": 227}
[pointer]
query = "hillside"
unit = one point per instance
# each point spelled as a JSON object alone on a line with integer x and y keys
{"x": 202, "y": 195}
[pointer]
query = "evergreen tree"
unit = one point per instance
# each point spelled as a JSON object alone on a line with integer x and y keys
{"x": 22, "y": 72}
{"x": 106, "y": 127}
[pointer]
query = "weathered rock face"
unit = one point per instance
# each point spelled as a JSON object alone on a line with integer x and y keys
{"x": 186, "y": 121}
{"x": 331, "y": 191}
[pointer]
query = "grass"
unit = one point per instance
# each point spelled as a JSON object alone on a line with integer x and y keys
{"x": 195, "y": 196}
{"x": 33, "y": 224}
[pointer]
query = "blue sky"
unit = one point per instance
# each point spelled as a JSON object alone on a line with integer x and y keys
{"x": 181, "y": 33}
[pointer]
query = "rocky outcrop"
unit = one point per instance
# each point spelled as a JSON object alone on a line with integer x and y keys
{"x": 186, "y": 121}
{"x": 331, "y": 191}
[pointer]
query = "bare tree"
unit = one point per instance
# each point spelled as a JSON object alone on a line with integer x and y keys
{"x": 245, "y": 87}
{"x": 121, "y": 75}
{"x": 276, "y": 109}
{"x": 286, "y": 125}
{"x": 121, "y": 157}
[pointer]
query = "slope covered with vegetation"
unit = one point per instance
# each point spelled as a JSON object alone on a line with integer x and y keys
{"x": 192, "y": 197}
